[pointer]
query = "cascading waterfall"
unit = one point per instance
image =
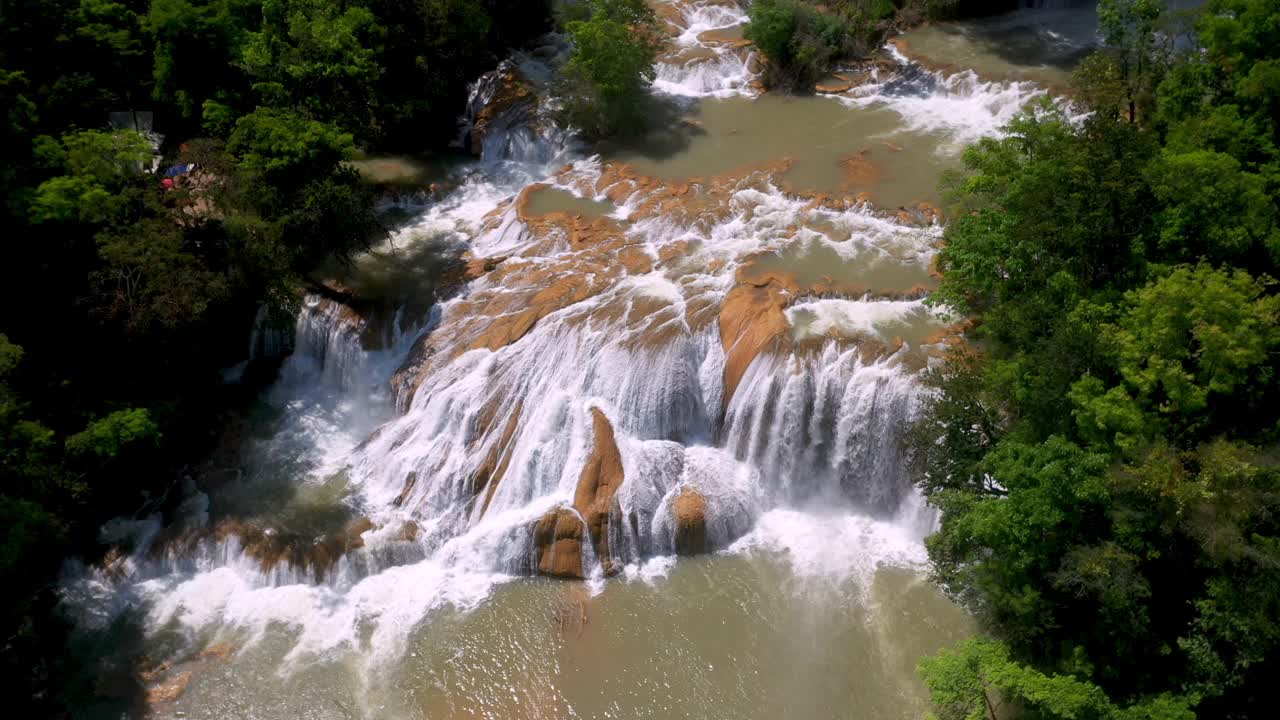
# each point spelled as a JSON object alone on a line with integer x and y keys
{"x": 500, "y": 411}
{"x": 826, "y": 427}
{"x": 695, "y": 67}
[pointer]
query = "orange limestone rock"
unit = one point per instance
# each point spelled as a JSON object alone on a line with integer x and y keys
{"x": 477, "y": 266}
{"x": 730, "y": 37}
{"x": 834, "y": 85}
{"x": 512, "y": 90}
{"x": 495, "y": 463}
{"x": 751, "y": 320}
{"x": 689, "y": 510}
{"x": 600, "y": 479}
{"x": 860, "y": 174}
{"x": 558, "y": 536}
{"x": 315, "y": 556}
{"x": 557, "y": 542}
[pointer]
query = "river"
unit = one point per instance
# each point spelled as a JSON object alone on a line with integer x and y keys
{"x": 674, "y": 373}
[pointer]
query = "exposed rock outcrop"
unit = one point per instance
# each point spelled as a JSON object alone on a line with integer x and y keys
{"x": 689, "y": 511}
{"x": 557, "y": 542}
{"x": 314, "y": 556}
{"x": 501, "y": 99}
{"x": 495, "y": 462}
{"x": 558, "y": 536}
{"x": 410, "y": 481}
{"x": 600, "y": 479}
{"x": 751, "y": 321}
{"x": 730, "y": 37}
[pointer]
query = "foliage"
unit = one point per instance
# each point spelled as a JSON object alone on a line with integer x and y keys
{"x": 1129, "y": 29}
{"x": 606, "y": 79}
{"x": 1105, "y": 466}
{"x": 799, "y": 41}
{"x": 107, "y": 438}
{"x": 320, "y": 57}
{"x": 1193, "y": 353}
{"x": 976, "y": 678}
{"x": 131, "y": 294}
{"x": 283, "y": 147}
{"x": 198, "y": 45}
{"x": 98, "y": 165}
{"x": 802, "y": 39}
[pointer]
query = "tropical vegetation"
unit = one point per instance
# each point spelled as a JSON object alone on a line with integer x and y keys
{"x": 1104, "y": 453}
{"x": 138, "y": 260}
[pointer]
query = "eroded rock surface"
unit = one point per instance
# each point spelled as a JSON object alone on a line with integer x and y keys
{"x": 503, "y": 98}
{"x": 557, "y": 542}
{"x": 689, "y": 511}
{"x": 600, "y": 479}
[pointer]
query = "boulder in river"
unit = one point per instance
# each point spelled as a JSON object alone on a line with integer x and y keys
{"x": 751, "y": 321}
{"x": 689, "y": 510}
{"x": 600, "y": 479}
{"x": 557, "y": 542}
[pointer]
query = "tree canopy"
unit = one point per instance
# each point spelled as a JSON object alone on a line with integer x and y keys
{"x": 1104, "y": 461}
{"x": 141, "y": 253}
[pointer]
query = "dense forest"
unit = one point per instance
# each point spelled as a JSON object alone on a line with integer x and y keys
{"x": 128, "y": 289}
{"x": 1104, "y": 454}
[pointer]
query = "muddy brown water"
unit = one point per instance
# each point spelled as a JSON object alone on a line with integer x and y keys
{"x": 549, "y": 199}
{"x": 818, "y": 134}
{"x": 1041, "y": 46}
{"x": 719, "y": 637}
{"x": 819, "y": 262}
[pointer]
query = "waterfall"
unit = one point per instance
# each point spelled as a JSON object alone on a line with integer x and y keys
{"x": 828, "y": 427}
{"x": 328, "y": 338}
{"x": 692, "y": 67}
{"x": 588, "y": 391}
{"x": 267, "y": 339}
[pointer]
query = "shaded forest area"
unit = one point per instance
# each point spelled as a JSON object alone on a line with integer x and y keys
{"x": 135, "y": 263}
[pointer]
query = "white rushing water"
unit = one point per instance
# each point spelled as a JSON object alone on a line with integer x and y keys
{"x": 698, "y": 69}
{"x": 804, "y": 456}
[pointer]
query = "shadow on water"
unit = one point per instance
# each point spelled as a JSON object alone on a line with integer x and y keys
{"x": 412, "y": 272}
{"x": 106, "y": 667}
{"x": 666, "y": 133}
{"x": 1028, "y": 42}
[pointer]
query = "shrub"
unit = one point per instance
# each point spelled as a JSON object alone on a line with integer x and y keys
{"x": 606, "y": 81}
{"x": 801, "y": 42}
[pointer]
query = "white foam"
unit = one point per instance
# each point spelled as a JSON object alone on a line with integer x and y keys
{"x": 839, "y": 316}
{"x": 961, "y": 105}
{"x": 725, "y": 74}
{"x": 835, "y": 547}
{"x": 651, "y": 570}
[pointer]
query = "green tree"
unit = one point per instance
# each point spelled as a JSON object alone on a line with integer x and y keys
{"x": 975, "y": 679}
{"x": 106, "y": 438}
{"x": 1196, "y": 353}
{"x": 319, "y": 57}
{"x": 98, "y": 165}
{"x": 1105, "y": 462}
{"x": 280, "y": 151}
{"x": 1213, "y": 208}
{"x": 1129, "y": 28}
{"x": 198, "y": 45}
{"x": 606, "y": 81}
{"x": 799, "y": 41}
